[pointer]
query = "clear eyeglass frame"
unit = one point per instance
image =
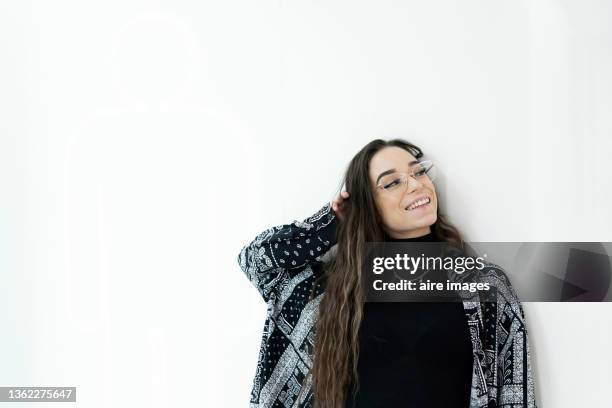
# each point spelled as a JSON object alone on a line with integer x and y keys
{"x": 396, "y": 183}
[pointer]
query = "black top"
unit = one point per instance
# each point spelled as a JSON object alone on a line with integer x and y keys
{"x": 413, "y": 354}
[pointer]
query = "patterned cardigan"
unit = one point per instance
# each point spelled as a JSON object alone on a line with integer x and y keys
{"x": 284, "y": 262}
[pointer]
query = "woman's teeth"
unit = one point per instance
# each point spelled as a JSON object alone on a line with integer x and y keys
{"x": 418, "y": 204}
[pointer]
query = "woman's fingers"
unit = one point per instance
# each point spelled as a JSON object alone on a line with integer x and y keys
{"x": 338, "y": 201}
{"x": 342, "y": 196}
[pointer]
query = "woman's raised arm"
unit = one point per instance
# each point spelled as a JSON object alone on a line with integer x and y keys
{"x": 277, "y": 251}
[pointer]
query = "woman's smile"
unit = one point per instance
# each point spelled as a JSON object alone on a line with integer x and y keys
{"x": 420, "y": 208}
{"x": 419, "y": 204}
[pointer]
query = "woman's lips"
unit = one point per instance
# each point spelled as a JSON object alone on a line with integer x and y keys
{"x": 423, "y": 202}
{"x": 420, "y": 208}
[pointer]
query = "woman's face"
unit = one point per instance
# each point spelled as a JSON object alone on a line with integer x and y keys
{"x": 400, "y": 220}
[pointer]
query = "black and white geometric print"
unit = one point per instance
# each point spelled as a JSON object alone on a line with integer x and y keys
{"x": 284, "y": 262}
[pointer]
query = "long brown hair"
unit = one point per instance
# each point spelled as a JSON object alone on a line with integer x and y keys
{"x": 336, "y": 349}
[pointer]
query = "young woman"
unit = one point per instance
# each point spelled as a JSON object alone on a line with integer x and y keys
{"x": 324, "y": 347}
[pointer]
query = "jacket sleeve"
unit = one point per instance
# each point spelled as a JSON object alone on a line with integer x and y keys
{"x": 516, "y": 379}
{"x": 277, "y": 252}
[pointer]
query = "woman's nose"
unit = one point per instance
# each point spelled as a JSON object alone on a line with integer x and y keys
{"x": 413, "y": 184}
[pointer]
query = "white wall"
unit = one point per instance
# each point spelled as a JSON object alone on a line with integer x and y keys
{"x": 144, "y": 142}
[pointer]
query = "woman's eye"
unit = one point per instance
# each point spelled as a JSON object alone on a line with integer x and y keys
{"x": 392, "y": 184}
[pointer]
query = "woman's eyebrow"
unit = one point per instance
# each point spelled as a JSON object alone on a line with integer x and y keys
{"x": 384, "y": 173}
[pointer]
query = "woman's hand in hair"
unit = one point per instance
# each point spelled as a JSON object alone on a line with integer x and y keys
{"x": 338, "y": 204}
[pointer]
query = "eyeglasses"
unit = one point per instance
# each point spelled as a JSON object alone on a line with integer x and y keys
{"x": 396, "y": 183}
